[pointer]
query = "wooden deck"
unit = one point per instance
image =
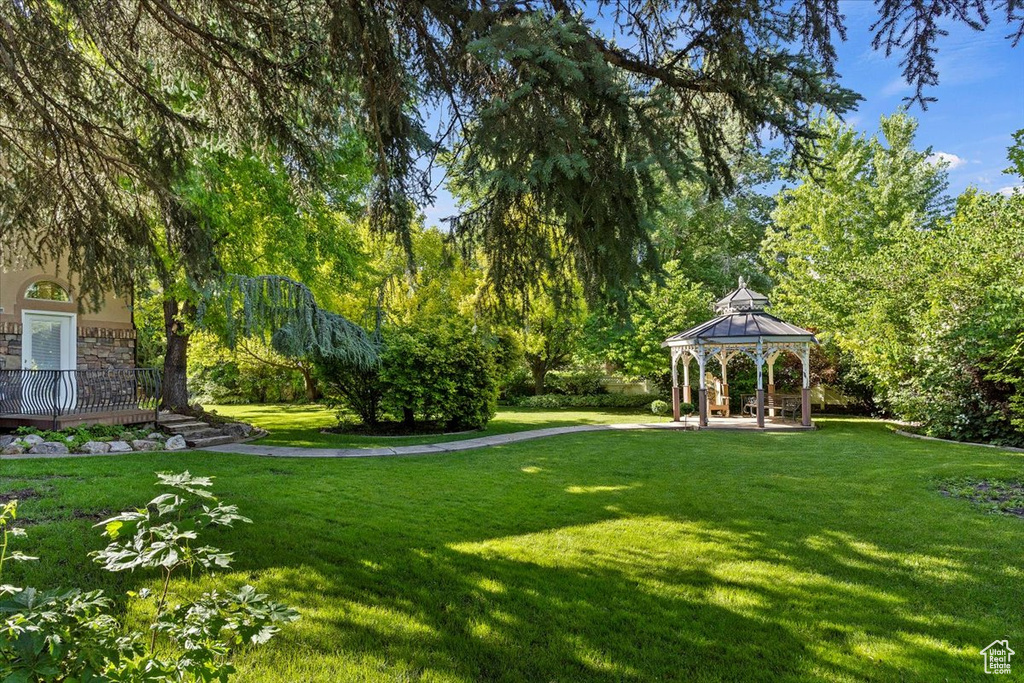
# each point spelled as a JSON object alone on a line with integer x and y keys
{"x": 771, "y": 424}
{"x": 111, "y": 417}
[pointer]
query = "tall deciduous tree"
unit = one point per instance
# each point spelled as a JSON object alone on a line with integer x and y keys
{"x": 658, "y": 309}
{"x": 923, "y": 298}
{"x": 256, "y": 223}
{"x": 840, "y": 236}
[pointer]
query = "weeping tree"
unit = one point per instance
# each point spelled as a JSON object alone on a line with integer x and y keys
{"x": 284, "y": 314}
{"x": 104, "y": 104}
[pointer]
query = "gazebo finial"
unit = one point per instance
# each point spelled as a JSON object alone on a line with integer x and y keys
{"x": 743, "y": 282}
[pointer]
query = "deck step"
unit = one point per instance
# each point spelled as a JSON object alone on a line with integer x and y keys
{"x": 210, "y": 441}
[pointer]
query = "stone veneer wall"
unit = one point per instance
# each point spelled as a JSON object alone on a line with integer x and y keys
{"x": 99, "y": 348}
{"x": 10, "y": 345}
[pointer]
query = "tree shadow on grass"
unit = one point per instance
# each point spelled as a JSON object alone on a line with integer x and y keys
{"x": 491, "y": 618}
{"x": 607, "y": 579}
{"x": 483, "y": 612}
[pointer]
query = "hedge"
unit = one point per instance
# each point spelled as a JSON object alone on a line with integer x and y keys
{"x": 553, "y": 401}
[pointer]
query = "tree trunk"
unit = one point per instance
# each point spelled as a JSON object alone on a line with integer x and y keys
{"x": 175, "y": 381}
{"x": 540, "y": 373}
{"x": 408, "y": 416}
{"x": 312, "y": 390}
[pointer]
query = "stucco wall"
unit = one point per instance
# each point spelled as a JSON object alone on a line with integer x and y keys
{"x": 106, "y": 336}
{"x": 113, "y": 311}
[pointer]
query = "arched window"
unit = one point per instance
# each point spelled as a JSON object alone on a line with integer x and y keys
{"x": 46, "y": 290}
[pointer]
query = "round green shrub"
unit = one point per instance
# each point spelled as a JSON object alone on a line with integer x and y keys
{"x": 445, "y": 375}
{"x": 659, "y": 407}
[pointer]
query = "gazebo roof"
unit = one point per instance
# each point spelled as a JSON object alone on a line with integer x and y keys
{"x": 741, "y": 320}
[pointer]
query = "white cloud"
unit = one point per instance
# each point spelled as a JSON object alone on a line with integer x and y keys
{"x": 951, "y": 160}
{"x": 897, "y": 86}
{"x": 1011, "y": 189}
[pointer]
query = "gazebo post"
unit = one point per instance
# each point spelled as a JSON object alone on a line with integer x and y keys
{"x": 723, "y": 358}
{"x": 759, "y": 361}
{"x": 805, "y": 394}
{"x": 771, "y": 382}
{"x": 675, "y": 385}
{"x": 702, "y": 392}
{"x": 686, "y": 378}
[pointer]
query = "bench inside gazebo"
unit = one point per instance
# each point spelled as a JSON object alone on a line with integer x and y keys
{"x": 742, "y": 326}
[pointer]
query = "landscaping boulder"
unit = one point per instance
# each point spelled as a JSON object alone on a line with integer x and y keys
{"x": 32, "y": 439}
{"x": 13, "y": 449}
{"x": 120, "y": 447}
{"x": 145, "y": 445}
{"x": 6, "y": 440}
{"x": 155, "y": 436}
{"x": 239, "y": 430}
{"x": 175, "y": 443}
{"x": 94, "y": 447}
{"x": 49, "y": 448}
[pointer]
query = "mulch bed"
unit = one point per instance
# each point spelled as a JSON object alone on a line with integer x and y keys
{"x": 993, "y": 495}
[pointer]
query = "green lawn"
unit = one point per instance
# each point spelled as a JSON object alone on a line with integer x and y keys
{"x": 301, "y": 425}
{"x": 632, "y": 556}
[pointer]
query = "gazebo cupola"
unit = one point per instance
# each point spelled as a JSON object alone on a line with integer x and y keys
{"x": 742, "y": 326}
{"x": 741, "y": 300}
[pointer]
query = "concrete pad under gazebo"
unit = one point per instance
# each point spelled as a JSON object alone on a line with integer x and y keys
{"x": 741, "y": 327}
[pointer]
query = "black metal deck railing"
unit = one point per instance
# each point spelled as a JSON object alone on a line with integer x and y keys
{"x": 55, "y": 393}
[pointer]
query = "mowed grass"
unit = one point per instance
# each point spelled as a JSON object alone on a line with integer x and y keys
{"x": 633, "y": 556}
{"x": 302, "y": 425}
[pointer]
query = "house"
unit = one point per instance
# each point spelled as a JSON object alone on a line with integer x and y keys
{"x": 62, "y": 363}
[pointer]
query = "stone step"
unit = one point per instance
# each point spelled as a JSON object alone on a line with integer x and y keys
{"x": 172, "y": 418}
{"x": 210, "y": 441}
{"x": 186, "y": 427}
{"x": 206, "y": 433}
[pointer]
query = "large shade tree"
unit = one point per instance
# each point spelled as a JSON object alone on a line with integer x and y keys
{"x": 537, "y": 99}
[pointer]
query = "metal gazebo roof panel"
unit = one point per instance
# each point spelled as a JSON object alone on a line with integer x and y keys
{"x": 741, "y": 325}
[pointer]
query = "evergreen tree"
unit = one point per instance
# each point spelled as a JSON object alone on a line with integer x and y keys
{"x": 103, "y": 102}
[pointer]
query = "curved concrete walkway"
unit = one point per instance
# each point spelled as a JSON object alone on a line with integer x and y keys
{"x": 447, "y": 447}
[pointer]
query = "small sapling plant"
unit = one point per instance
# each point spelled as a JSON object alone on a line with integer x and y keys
{"x": 72, "y": 636}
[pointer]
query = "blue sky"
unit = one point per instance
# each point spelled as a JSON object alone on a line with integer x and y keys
{"x": 980, "y": 100}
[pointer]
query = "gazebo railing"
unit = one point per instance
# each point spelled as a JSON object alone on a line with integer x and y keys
{"x": 783, "y": 403}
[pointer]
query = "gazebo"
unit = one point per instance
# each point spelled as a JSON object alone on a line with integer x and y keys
{"x": 741, "y": 326}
